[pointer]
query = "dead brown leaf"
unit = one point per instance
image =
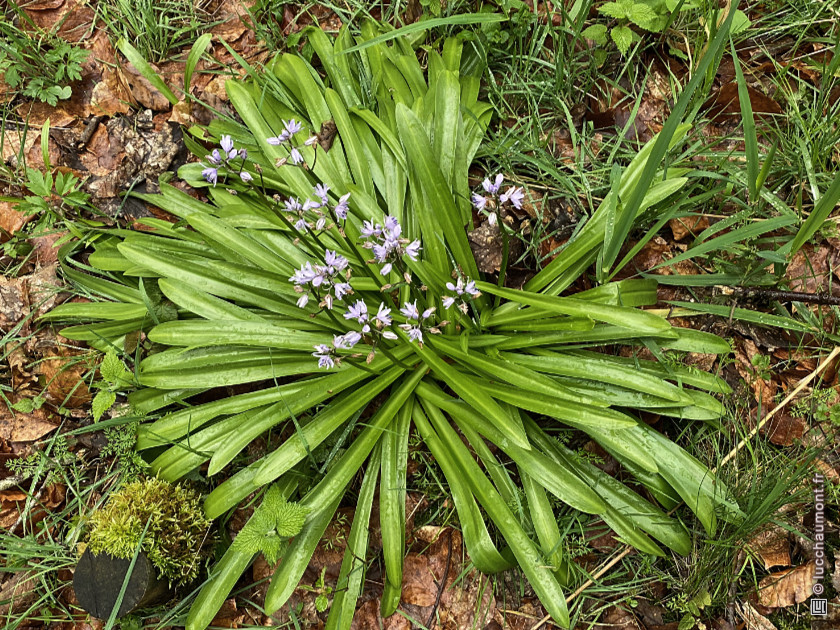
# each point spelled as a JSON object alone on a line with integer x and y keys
{"x": 810, "y": 271}
{"x": 725, "y": 102}
{"x": 773, "y": 547}
{"x": 17, "y": 140}
{"x": 142, "y": 90}
{"x": 46, "y": 252}
{"x": 684, "y": 226}
{"x": 367, "y": 617}
{"x": 228, "y": 616}
{"x": 72, "y": 18}
{"x": 418, "y": 581}
{"x": 14, "y": 301}
{"x": 784, "y": 428}
{"x": 753, "y": 619}
{"x": 24, "y": 427}
{"x": 786, "y": 588}
{"x": 64, "y": 381}
{"x": 617, "y": 618}
{"x": 11, "y": 219}
{"x": 18, "y": 593}
{"x": 102, "y": 154}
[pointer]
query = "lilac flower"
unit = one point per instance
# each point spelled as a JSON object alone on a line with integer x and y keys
{"x": 243, "y": 153}
{"x": 324, "y": 355}
{"x": 292, "y": 205}
{"x": 352, "y": 338}
{"x": 458, "y": 288}
{"x": 370, "y": 229}
{"x": 514, "y": 195}
{"x": 245, "y": 176}
{"x": 493, "y": 187}
{"x": 292, "y": 127}
{"x": 491, "y": 218}
{"x": 303, "y": 300}
{"x": 321, "y": 223}
{"x": 415, "y": 334}
{"x": 321, "y": 192}
{"x": 479, "y": 201}
{"x": 342, "y": 207}
{"x": 380, "y": 252}
{"x": 412, "y": 250}
{"x": 309, "y": 204}
{"x": 303, "y": 275}
{"x": 319, "y": 277}
{"x": 392, "y": 225}
{"x": 311, "y": 140}
{"x": 383, "y": 315}
{"x": 214, "y": 157}
{"x": 341, "y": 289}
{"x": 301, "y": 225}
{"x": 357, "y": 311}
{"x": 428, "y": 313}
{"x": 211, "y": 174}
{"x": 388, "y": 334}
{"x": 335, "y": 262}
{"x": 274, "y": 141}
{"x": 296, "y": 156}
{"x": 227, "y": 144}
{"x": 410, "y": 310}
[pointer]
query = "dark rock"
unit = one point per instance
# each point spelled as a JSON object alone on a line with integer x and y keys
{"x": 98, "y": 580}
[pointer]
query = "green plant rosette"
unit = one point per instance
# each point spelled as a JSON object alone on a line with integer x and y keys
{"x": 212, "y": 292}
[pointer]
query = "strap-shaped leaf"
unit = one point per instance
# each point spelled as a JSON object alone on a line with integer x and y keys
{"x": 435, "y": 189}
{"x": 480, "y": 546}
{"x": 353, "y": 566}
{"x": 392, "y": 495}
{"x": 467, "y": 388}
{"x": 529, "y": 558}
{"x": 633, "y": 319}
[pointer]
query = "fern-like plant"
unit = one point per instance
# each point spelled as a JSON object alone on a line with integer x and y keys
{"x": 336, "y": 227}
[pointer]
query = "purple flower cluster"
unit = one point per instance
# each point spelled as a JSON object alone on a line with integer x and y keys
{"x": 313, "y": 213}
{"x": 321, "y": 280}
{"x": 224, "y": 158}
{"x": 414, "y": 320}
{"x": 463, "y": 291}
{"x": 387, "y": 244}
{"x": 358, "y": 311}
{"x": 491, "y": 199}
{"x": 290, "y": 129}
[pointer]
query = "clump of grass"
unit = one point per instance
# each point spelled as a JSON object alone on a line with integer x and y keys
{"x": 155, "y": 28}
{"x": 171, "y": 516}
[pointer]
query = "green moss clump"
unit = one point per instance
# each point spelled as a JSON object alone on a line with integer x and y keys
{"x": 177, "y": 527}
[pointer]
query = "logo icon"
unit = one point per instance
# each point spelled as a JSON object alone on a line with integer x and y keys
{"x": 819, "y": 607}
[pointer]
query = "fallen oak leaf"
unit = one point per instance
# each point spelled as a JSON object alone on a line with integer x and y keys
{"x": 786, "y": 588}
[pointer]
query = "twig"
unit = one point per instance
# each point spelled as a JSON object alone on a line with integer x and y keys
{"x": 785, "y": 296}
{"x": 10, "y": 482}
{"x": 802, "y": 384}
{"x": 442, "y": 585}
{"x": 589, "y": 582}
{"x": 87, "y": 134}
